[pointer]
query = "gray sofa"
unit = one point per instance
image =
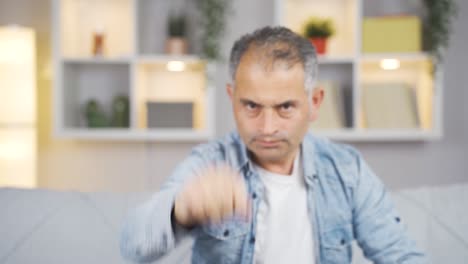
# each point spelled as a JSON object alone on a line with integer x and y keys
{"x": 42, "y": 226}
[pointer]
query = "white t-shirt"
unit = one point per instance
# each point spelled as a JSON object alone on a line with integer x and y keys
{"x": 284, "y": 231}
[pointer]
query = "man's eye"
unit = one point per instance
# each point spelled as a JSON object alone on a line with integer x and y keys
{"x": 251, "y": 106}
{"x": 286, "y": 107}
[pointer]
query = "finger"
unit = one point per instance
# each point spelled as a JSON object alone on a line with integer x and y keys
{"x": 219, "y": 193}
{"x": 227, "y": 192}
{"x": 196, "y": 211}
{"x": 180, "y": 209}
{"x": 240, "y": 196}
{"x": 209, "y": 203}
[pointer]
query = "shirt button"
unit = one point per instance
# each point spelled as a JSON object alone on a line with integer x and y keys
{"x": 226, "y": 233}
{"x": 252, "y": 240}
{"x": 397, "y": 219}
{"x": 342, "y": 241}
{"x": 254, "y": 195}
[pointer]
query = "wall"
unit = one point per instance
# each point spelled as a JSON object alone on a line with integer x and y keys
{"x": 121, "y": 166}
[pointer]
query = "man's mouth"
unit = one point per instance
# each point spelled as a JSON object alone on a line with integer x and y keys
{"x": 268, "y": 143}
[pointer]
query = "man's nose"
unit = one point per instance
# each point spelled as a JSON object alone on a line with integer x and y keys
{"x": 269, "y": 122}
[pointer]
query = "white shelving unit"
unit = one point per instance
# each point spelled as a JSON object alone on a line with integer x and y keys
{"x": 133, "y": 65}
{"x": 346, "y": 64}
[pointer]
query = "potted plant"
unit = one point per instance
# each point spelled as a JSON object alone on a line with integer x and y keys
{"x": 212, "y": 22}
{"x": 95, "y": 116}
{"x": 440, "y": 15}
{"x": 176, "y": 43}
{"x": 318, "y": 30}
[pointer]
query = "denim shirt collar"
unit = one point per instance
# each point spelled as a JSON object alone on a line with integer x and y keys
{"x": 309, "y": 159}
{"x": 240, "y": 157}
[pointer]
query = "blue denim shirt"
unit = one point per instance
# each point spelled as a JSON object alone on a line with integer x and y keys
{"x": 346, "y": 202}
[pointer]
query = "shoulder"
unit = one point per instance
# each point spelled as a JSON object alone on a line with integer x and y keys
{"x": 335, "y": 160}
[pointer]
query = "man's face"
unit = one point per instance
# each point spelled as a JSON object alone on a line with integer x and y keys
{"x": 271, "y": 108}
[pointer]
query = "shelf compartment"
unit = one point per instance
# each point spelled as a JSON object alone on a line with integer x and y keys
{"x": 79, "y": 19}
{"x": 157, "y": 84}
{"x": 418, "y": 98}
{"x": 152, "y": 29}
{"x": 85, "y": 81}
{"x": 342, "y": 12}
{"x": 336, "y": 111}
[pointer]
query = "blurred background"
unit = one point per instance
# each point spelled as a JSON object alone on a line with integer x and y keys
{"x": 115, "y": 93}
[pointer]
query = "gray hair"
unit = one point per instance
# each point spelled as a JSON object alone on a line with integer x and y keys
{"x": 277, "y": 44}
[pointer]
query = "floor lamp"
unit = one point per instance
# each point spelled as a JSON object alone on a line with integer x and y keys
{"x": 17, "y": 107}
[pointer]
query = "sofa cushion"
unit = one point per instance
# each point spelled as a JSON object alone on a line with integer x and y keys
{"x": 43, "y": 226}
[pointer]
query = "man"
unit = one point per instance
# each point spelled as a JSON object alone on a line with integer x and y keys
{"x": 271, "y": 192}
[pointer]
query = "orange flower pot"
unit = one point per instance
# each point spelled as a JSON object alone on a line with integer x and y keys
{"x": 320, "y": 45}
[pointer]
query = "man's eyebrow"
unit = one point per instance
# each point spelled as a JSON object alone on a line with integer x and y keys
{"x": 248, "y": 101}
{"x": 291, "y": 101}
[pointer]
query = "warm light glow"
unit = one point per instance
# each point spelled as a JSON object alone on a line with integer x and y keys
{"x": 17, "y": 107}
{"x": 17, "y": 76}
{"x": 390, "y": 64}
{"x": 18, "y": 157}
{"x": 14, "y": 45}
{"x": 13, "y": 150}
{"x": 176, "y": 66}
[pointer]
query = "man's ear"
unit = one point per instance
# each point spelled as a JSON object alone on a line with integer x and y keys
{"x": 230, "y": 90}
{"x": 317, "y": 98}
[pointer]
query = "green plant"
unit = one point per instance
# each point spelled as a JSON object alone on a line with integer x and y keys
{"x": 212, "y": 14}
{"x": 120, "y": 111}
{"x": 176, "y": 26}
{"x": 318, "y": 28}
{"x": 438, "y": 26}
{"x": 95, "y": 116}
